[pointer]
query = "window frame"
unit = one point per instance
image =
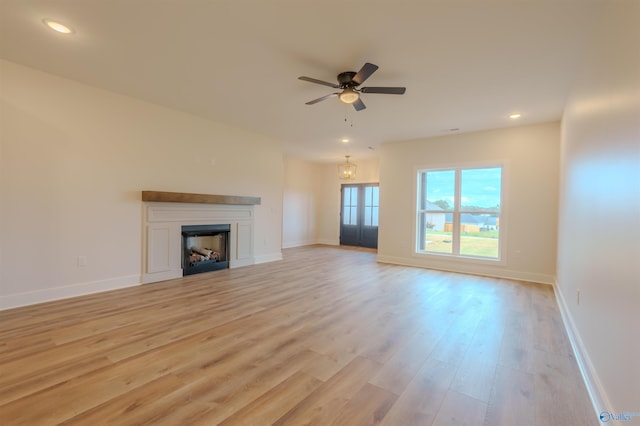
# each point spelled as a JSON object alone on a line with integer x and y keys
{"x": 457, "y": 212}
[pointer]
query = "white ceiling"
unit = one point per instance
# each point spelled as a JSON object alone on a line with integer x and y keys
{"x": 466, "y": 64}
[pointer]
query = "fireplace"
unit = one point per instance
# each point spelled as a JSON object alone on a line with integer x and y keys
{"x": 205, "y": 248}
{"x": 166, "y": 213}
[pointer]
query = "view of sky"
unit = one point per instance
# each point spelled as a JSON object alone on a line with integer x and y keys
{"x": 480, "y": 187}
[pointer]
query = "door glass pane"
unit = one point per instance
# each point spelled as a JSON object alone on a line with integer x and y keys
{"x": 479, "y": 234}
{"x": 375, "y": 205}
{"x": 440, "y": 190}
{"x": 346, "y": 199}
{"x": 371, "y": 205}
{"x": 346, "y": 206}
{"x": 480, "y": 189}
{"x": 350, "y": 206}
{"x": 354, "y": 206}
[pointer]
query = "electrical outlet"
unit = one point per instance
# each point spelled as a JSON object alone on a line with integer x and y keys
{"x": 82, "y": 260}
{"x": 578, "y": 296}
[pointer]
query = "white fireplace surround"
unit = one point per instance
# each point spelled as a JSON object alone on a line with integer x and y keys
{"x": 162, "y": 235}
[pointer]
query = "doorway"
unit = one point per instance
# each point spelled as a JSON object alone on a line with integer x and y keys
{"x": 360, "y": 205}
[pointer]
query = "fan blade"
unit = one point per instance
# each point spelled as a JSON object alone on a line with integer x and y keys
{"x": 324, "y": 98}
{"x": 364, "y": 73}
{"x": 315, "y": 80}
{"x": 384, "y": 90}
{"x": 359, "y": 105}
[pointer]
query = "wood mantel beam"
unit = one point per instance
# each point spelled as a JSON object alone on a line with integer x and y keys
{"x": 184, "y": 197}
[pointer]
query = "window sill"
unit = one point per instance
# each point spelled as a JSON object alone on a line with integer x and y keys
{"x": 449, "y": 258}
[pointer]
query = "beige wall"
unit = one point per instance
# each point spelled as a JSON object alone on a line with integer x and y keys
{"x": 530, "y": 155}
{"x": 73, "y": 160}
{"x": 599, "y": 238}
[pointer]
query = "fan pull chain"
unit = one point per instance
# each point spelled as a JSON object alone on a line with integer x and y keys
{"x": 346, "y": 114}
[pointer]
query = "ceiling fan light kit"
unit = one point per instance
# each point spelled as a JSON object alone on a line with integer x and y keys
{"x": 349, "y": 96}
{"x": 348, "y": 83}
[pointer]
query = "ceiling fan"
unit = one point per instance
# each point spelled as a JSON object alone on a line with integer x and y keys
{"x": 348, "y": 82}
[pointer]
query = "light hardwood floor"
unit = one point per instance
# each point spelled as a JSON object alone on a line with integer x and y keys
{"x": 326, "y": 336}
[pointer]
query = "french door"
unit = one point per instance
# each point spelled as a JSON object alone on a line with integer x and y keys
{"x": 359, "y": 214}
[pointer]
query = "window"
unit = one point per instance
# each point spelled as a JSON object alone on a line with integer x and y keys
{"x": 459, "y": 212}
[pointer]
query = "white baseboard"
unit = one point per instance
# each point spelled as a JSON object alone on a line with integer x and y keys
{"x": 292, "y": 244}
{"x": 74, "y": 290}
{"x": 271, "y": 257}
{"x": 470, "y": 268}
{"x": 239, "y": 263}
{"x": 161, "y": 276}
{"x": 310, "y": 243}
{"x": 594, "y": 386}
{"x": 328, "y": 242}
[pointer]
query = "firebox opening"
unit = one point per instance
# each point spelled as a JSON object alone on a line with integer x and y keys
{"x": 205, "y": 248}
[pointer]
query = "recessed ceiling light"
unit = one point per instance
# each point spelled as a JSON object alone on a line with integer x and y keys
{"x": 57, "y": 26}
{"x": 345, "y": 140}
{"x": 515, "y": 115}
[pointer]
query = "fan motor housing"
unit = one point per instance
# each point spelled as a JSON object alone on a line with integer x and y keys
{"x": 345, "y": 79}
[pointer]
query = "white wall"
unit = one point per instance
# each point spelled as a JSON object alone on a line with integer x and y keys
{"x": 73, "y": 162}
{"x": 300, "y": 194}
{"x": 530, "y": 155}
{"x": 599, "y": 232}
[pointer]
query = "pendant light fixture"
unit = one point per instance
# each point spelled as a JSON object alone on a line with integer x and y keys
{"x": 347, "y": 170}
